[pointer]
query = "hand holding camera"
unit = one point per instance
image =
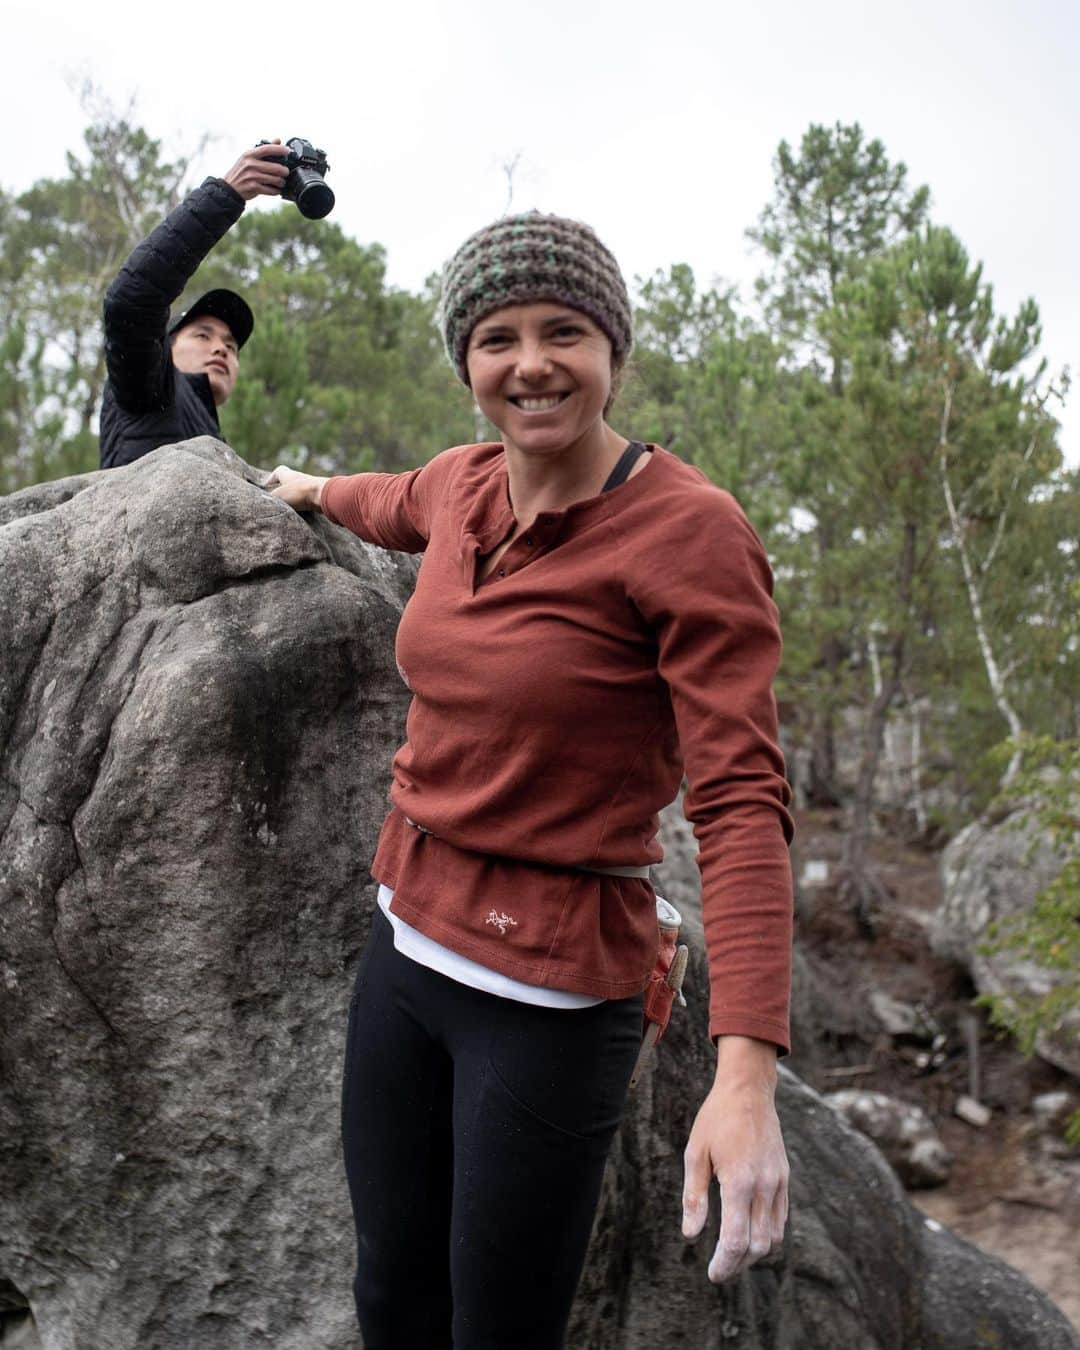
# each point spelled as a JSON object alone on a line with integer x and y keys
{"x": 305, "y": 184}
{"x": 294, "y": 170}
{"x": 259, "y": 172}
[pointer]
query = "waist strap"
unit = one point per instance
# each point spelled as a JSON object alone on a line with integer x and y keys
{"x": 629, "y": 871}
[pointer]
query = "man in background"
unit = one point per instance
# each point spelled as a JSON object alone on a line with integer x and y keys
{"x": 166, "y": 381}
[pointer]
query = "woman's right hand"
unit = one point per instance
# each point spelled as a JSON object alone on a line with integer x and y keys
{"x": 301, "y": 491}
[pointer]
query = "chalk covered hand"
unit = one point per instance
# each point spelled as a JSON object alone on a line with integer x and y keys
{"x": 736, "y": 1139}
{"x": 301, "y": 491}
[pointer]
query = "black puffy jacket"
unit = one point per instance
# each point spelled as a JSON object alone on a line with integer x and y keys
{"x": 148, "y": 402}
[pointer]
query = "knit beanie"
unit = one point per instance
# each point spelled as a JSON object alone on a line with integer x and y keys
{"x": 530, "y": 257}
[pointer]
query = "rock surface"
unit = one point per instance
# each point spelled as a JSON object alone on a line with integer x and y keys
{"x": 198, "y": 706}
{"x": 902, "y": 1019}
{"x": 904, "y": 1133}
{"x": 991, "y": 871}
{"x": 197, "y": 710}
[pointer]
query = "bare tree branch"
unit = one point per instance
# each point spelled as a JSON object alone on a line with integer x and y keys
{"x": 971, "y": 581}
{"x": 509, "y": 168}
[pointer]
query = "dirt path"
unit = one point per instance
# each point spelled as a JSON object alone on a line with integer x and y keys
{"x": 1014, "y": 1189}
{"x": 1015, "y": 1192}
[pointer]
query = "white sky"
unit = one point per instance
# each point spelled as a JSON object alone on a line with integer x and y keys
{"x": 656, "y": 122}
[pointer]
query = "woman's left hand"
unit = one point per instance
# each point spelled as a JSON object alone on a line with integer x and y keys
{"x": 736, "y": 1139}
{"x": 301, "y": 491}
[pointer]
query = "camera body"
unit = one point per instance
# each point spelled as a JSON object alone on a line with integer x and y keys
{"x": 305, "y": 184}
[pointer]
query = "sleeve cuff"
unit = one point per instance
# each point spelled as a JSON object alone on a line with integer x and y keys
{"x": 326, "y": 501}
{"x": 757, "y": 1028}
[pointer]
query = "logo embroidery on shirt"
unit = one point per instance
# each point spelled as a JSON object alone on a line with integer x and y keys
{"x": 501, "y": 921}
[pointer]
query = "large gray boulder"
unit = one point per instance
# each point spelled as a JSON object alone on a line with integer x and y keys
{"x": 198, "y": 707}
{"x": 993, "y": 870}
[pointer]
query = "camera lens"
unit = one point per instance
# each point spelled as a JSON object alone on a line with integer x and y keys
{"x": 313, "y": 198}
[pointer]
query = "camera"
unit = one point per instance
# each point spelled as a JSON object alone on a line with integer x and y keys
{"x": 305, "y": 184}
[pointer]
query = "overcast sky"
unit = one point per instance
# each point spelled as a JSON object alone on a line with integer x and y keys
{"x": 657, "y": 123}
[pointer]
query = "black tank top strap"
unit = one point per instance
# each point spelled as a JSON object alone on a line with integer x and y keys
{"x": 621, "y": 472}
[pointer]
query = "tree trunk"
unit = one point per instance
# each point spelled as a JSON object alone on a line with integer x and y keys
{"x": 917, "y": 799}
{"x": 972, "y": 583}
{"x": 889, "y": 753}
{"x": 824, "y": 789}
{"x": 862, "y": 888}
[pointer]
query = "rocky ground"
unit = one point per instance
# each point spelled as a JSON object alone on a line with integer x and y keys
{"x": 1014, "y": 1187}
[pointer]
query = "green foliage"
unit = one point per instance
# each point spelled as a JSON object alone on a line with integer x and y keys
{"x": 708, "y": 385}
{"x": 61, "y": 242}
{"x": 342, "y": 373}
{"x": 1048, "y": 791}
{"x": 837, "y": 203}
{"x": 907, "y": 375}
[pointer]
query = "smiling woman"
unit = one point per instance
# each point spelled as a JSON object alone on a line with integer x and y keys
{"x": 591, "y": 620}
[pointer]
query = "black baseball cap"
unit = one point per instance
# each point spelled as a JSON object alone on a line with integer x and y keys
{"x": 224, "y": 305}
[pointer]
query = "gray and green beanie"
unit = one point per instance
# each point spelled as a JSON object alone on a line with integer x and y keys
{"x": 530, "y": 257}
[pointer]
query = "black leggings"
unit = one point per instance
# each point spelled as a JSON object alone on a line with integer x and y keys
{"x": 475, "y": 1133}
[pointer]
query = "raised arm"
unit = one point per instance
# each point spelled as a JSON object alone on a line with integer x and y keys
{"x": 137, "y": 303}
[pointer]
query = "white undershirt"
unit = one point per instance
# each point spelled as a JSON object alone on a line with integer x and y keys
{"x": 417, "y": 946}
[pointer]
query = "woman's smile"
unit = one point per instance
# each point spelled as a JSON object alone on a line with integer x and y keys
{"x": 537, "y": 403}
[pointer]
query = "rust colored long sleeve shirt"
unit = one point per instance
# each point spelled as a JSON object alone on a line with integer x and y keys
{"x": 556, "y": 705}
